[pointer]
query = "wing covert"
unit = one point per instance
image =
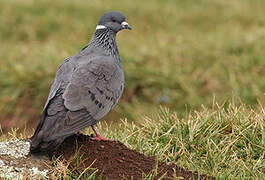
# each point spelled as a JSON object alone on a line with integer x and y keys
{"x": 96, "y": 86}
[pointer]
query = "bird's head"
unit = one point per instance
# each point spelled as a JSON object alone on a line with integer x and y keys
{"x": 113, "y": 20}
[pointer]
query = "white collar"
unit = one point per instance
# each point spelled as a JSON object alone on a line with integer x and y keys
{"x": 100, "y": 27}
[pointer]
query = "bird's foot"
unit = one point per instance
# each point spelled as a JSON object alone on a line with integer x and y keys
{"x": 100, "y": 138}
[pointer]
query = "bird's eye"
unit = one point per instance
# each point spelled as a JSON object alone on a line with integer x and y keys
{"x": 113, "y": 20}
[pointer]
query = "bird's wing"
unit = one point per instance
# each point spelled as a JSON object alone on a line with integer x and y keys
{"x": 60, "y": 122}
{"x": 54, "y": 104}
{"x": 95, "y": 86}
{"x": 62, "y": 77}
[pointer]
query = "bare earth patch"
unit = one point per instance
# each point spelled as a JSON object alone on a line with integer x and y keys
{"x": 113, "y": 160}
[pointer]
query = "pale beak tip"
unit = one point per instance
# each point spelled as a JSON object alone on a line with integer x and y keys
{"x": 125, "y": 25}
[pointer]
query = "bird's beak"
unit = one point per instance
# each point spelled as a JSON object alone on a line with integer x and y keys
{"x": 125, "y": 25}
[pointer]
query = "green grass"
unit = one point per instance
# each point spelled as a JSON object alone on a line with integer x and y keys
{"x": 180, "y": 53}
{"x": 228, "y": 143}
{"x": 225, "y": 142}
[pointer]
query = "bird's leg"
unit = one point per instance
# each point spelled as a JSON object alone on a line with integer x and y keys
{"x": 98, "y": 136}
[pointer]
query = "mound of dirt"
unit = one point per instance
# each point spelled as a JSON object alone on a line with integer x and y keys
{"x": 114, "y": 160}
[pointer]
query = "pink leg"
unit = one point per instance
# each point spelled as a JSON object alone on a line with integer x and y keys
{"x": 98, "y": 136}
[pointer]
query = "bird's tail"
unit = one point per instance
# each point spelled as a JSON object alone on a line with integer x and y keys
{"x": 45, "y": 146}
{"x": 38, "y": 144}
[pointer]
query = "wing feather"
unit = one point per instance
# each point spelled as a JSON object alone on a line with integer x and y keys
{"x": 96, "y": 86}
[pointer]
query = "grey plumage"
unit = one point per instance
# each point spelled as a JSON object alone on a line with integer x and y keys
{"x": 86, "y": 87}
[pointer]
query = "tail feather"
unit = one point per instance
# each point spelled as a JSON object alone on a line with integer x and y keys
{"x": 36, "y": 138}
{"x": 39, "y": 141}
{"x": 43, "y": 146}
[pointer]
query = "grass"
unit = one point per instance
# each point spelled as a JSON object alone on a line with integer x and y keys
{"x": 180, "y": 53}
{"x": 227, "y": 142}
{"x": 222, "y": 142}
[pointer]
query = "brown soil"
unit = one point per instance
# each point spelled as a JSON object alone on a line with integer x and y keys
{"x": 115, "y": 161}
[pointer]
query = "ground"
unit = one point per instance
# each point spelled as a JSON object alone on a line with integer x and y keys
{"x": 17, "y": 163}
{"x": 102, "y": 159}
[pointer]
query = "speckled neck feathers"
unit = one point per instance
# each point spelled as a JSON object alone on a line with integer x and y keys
{"x": 106, "y": 39}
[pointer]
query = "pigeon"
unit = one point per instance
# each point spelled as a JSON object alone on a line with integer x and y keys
{"x": 86, "y": 87}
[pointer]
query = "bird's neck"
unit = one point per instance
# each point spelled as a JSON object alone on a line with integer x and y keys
{"x": 106, "y": 39}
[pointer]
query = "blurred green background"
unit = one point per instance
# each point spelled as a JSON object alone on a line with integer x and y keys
{"x": 180, "y": 54}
